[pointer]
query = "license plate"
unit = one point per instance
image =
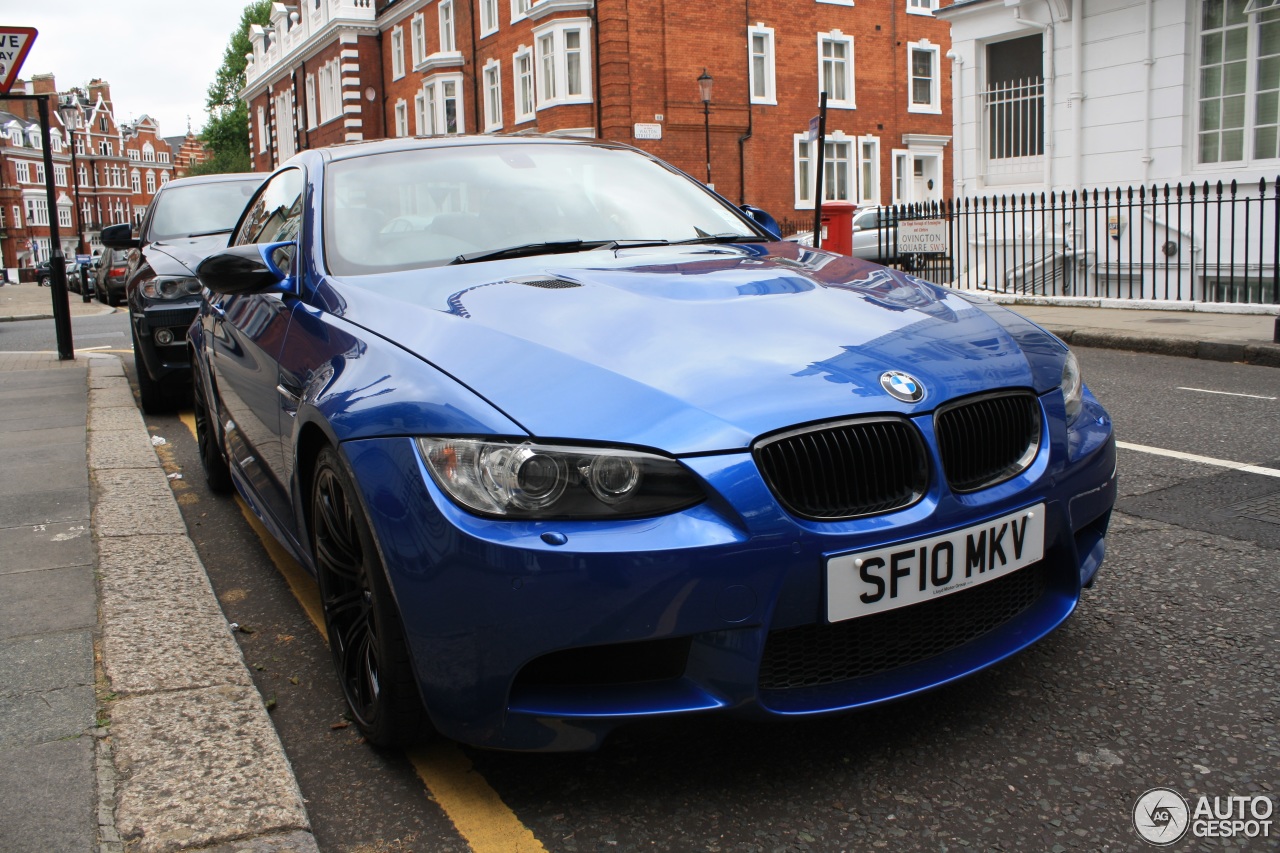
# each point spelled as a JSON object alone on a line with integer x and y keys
{"x": 874, "y": 581}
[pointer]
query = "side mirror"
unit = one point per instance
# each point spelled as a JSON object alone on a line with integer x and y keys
{"x": 763, "y": 219}
{"x": 247, "y": 269}
{"x": 119, "y": 237}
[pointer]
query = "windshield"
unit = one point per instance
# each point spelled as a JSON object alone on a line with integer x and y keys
{"x": 186, "y": 211}
{"x": 427, "y": 207}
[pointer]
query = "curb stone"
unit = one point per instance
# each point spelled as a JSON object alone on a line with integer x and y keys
{"x": 188, "y": 761}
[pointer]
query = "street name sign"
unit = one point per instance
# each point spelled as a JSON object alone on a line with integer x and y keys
{"x": 15, "y": 43}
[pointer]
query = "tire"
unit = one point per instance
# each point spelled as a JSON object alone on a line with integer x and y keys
{"x": 45, "y": 281}
{"x": 366, "y": 636}
{"x": 217, "y": 473}
{"x": 157, "y": 398}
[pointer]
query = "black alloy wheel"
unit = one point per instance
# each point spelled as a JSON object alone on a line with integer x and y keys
{"x": 217, "y": 473}
{"x": 366, "y": 637}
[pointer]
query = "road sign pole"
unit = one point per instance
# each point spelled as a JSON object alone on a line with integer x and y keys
{"x": 821, "y": 160}
{"x": 57, "y": 264}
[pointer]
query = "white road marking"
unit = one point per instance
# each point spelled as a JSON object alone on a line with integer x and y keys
{"x": 1203, "y": 460}
{"x": 1227, "y": 393}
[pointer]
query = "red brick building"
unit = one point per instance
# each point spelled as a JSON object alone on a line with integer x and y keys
{"x": 111, "y": 178}
{"x": 329, "y": 71}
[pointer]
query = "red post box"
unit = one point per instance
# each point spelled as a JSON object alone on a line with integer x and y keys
{"x": 837, "y": 226}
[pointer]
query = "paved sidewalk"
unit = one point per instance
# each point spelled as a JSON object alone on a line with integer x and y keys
{"x": 127, "y": 715}
{"x": 30, "y": 301}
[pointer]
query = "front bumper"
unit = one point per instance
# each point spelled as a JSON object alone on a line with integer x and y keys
{"x": 521, "y": 644}
{"x": 173, "y": 320}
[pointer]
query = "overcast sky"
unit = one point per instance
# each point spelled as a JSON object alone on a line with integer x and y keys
{"x": 158, "y": 55}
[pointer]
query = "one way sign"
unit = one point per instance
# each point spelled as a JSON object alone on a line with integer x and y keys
{"x": 15, "y": 42}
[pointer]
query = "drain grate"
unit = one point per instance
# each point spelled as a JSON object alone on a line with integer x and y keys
{"x": 1265, "y": 508}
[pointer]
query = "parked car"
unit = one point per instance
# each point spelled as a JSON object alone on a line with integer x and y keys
{"x": 568, "y": 440}
{"x": 109, "y": 277}
{"x": 187, "y": 219}
{"x": 44, "y": 275}
{"x": 874, "y": 235}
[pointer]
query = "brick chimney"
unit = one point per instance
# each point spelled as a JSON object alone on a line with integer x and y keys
{"x": 43, "y": 84}
{"x": 100, "y": 87}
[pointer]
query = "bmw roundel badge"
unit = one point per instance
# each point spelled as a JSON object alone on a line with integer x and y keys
{"x": 903, "y": 386}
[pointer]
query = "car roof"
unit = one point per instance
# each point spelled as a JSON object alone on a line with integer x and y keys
{"x": 215, "y": 179}
{"x": 347, "y": 150}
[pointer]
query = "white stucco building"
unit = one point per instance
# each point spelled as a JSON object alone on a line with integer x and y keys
{"x": 1075, "y": 95}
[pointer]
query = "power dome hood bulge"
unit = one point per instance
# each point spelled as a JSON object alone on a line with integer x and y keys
{"x": 700, "y": 348}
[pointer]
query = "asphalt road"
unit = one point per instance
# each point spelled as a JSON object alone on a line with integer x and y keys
{"x": 1165, "y": 676}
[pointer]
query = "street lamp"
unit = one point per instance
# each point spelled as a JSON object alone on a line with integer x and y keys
{"x": 71, "y": 114}
{"x": 704, "y": 88}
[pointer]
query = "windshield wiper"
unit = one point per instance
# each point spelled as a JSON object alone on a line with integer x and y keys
{"x": 524, "y": 250}
{"x": 210, "y": 233}
{"x": 719, "y": 238}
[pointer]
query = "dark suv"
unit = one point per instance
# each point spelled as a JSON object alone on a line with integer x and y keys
{"x": 188, "y": 219}
{"x": 108, "y": 278}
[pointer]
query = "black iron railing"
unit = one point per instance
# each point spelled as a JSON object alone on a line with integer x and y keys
{"x": 1187, "y": 243}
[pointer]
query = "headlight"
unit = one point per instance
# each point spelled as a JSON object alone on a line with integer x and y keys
{"x": 1072, "y": 385}
{"x": 527, "y": 480}
{"x": 170, "y": 287}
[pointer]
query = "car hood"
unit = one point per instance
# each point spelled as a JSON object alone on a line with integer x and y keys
{"x": 181, "y": 255}
{"x": 695, "y": 349}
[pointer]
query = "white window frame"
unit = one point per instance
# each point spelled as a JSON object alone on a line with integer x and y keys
{"x": 135, "y": 181}
{"x": 766, "y": 81}
{"x": 436, "y": 103}
{"x": 802, "y": 171}
{"x": 922, "y": 7}
{"x": 310, "y": 87}
{"x": 934, "y": 105}
{"x": 902, "y": 160}
{"x": 836, "y": 37}
{"x": 262, "y": 130}
{"x": 64, "y": 215}
{"x": 448, "y": 38}
{"x": 151, "y": 182}
{"x": 868, "y": 170}
{"x": 397, "y": 53}
{"x": 492, "y": 96}
{"x": 418, "y": 39}
{"x": 22, "y": 171}
{"x": 148, "y": 153}
{"x": 523, "y": 84}
{"x": 330, "y": 84}
{"x": 803, "y": 152}
{"x": 286, "y": 133}
{"x": 164, "y": 156}
{"x": 133, "y": 155}
{"x": 488, "y": 17}
{"x": 59, "y": 176}
{"x": 37, "y": 211}
{"x": 1250, "y": 125}
{"x": 551, "y": 70}
{"x": 520, "y": 9}
{"x": 39, "y": 169}
{"x": 164, "y": 178}
{"x": 402, "y": 118}
{"x": 420, "y": 114}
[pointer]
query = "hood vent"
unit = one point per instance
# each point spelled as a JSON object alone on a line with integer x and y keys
{"x": 544, "y": 282}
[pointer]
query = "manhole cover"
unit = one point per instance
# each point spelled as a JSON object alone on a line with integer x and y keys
{"x": 1265, "y": 508}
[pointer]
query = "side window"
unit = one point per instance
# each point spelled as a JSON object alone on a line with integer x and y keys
{"x": 275, "y": 215}
{"x": 868, "y": 221}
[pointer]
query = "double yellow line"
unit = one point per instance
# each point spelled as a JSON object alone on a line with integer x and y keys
{"x": 472, "y": 806}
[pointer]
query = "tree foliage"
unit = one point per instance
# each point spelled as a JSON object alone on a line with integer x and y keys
{"x": 226, "y": 133}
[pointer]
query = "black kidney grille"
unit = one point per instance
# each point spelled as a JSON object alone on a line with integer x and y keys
{"x": 814, "y": 655}
{"x": 986, "y": 440}
{"x": 846, "y": 470}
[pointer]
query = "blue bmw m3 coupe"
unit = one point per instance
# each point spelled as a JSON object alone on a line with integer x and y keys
{"x": 568, "y": 440}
